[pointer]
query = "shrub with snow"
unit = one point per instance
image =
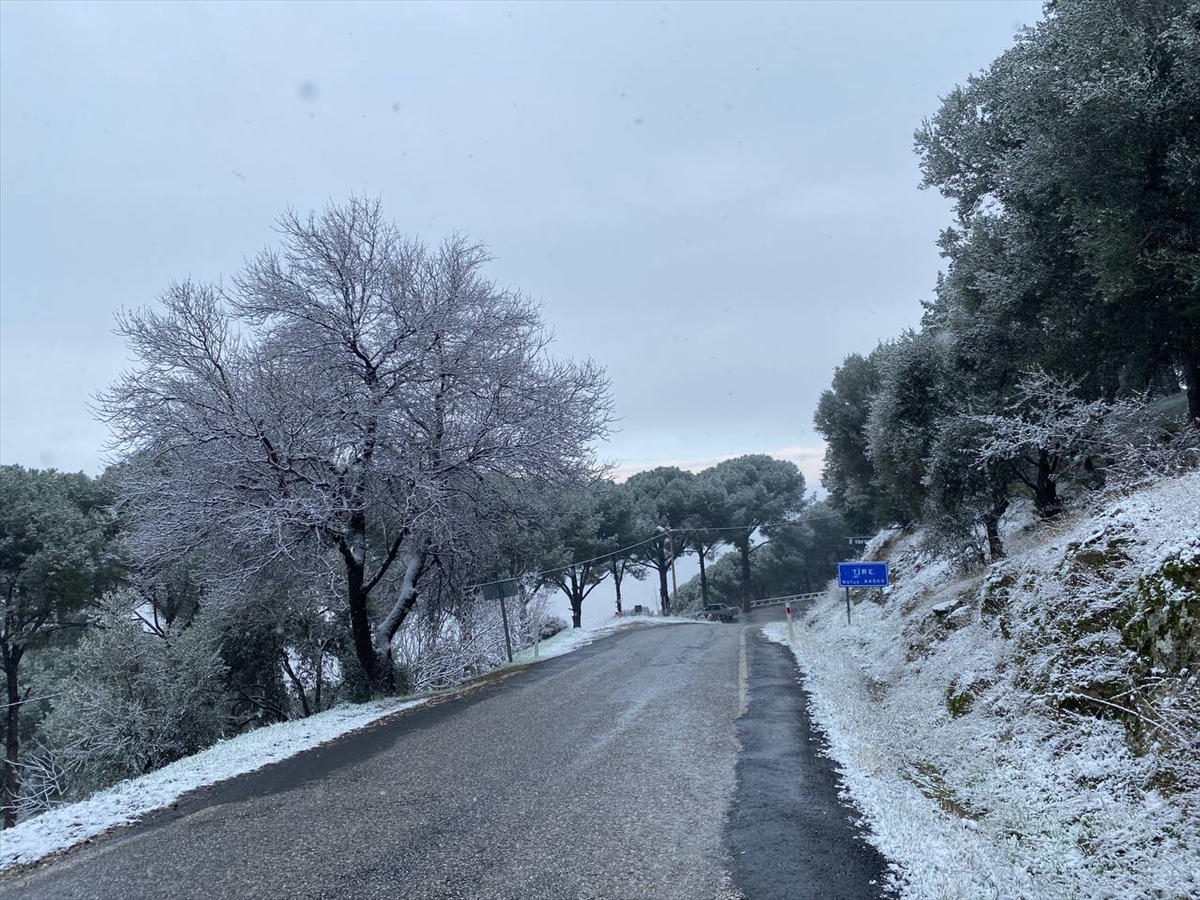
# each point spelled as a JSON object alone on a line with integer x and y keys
{"x": 137, "y": 700}
{"x": 551, "y": 626}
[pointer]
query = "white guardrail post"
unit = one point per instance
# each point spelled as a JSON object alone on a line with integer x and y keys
{"x": 791, "y": 633}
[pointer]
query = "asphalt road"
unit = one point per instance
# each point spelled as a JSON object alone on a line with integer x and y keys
{"x": 665, "y": 762}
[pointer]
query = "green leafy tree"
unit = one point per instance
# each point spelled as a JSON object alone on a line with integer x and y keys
{"x": 760, "y": 491}
{"x": 1083, "y": 137}
{"x": 904, "y": 418}
{"x": 662, "y": 502}
{"x": 802, "y": 558}
{"x": 706, "y": 522}
{"x": 797, "y": 559}
{"x": 1014, "y": 296}
{"x": 53, "y": 562}
{"x": 964, "y": 492}
{"x": 576, "y": 545}
{"x": 619, "y": 520}
{"x": 841, "y": 418}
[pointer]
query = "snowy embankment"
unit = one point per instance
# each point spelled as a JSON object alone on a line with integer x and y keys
{"x": 574, "y": 638}
{"x": 128, "y": 801}
{"x": 1029, "y": 732}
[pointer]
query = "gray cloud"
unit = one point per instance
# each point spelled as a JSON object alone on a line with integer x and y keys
{"x": 716, "y": 201}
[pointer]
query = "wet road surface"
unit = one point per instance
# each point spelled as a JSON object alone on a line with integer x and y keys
{"x": 613, "y": 772}
{"x": 789, "y": 836}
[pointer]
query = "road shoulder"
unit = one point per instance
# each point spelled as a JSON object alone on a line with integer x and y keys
{"x": 789, "y": 835}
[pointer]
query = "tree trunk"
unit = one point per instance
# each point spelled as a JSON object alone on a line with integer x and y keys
{"x": 703, "y": 577}
{"x": 12, "y": 735}
{"x": 305, "y": 709}
{"x": 1045, "y": 496}
{"x": 401, "y": 607}
{"x": 360, "y": 622}
{"x": 991, "y": 522}
{"x": 744, "y": 551}
{"x": 664, "y": 595}
{"x": 1191, "y": 378}
{"x": 575, "y": 594}
{"x": 616, "y": 570}
{"x": 320, "y": 675}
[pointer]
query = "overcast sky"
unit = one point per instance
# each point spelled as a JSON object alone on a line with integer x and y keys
{"x": 716, "y": 202}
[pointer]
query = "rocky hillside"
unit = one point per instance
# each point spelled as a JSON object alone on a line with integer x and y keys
{"x": 1031, "y": 730}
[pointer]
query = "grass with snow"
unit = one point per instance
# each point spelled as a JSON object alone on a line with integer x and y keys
{"x": 1018, "y": 741}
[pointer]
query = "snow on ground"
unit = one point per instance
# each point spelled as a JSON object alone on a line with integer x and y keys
{"x": 574, "y": 638}
{"x": 128, "y": 801}
{"x": 958, "y": 710}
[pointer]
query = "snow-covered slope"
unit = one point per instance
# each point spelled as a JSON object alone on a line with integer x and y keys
{"x": 1032, "y": 731}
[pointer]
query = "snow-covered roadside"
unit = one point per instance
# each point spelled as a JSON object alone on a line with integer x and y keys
{"x": 573, "y": 638}
{"x": 124, "y": 803}
{"x": 936, "y": 855}
{"x": 944, "y": 709}
{"x": 127, "y": 801}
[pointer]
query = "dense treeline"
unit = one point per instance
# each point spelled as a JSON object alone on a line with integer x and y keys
{"x": 1068, "y": 314}
{"x": 320, "y": 468}
{"x": 751, "y": 505}
{"x": 117, "y": 663}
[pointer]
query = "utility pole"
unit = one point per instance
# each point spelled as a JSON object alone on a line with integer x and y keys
{"x": 674, "y": 583}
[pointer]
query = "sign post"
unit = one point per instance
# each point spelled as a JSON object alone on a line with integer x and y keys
{"x": 861, "y": 574}
{"x": 791, "y": 633}
{"x": 537, "y": 629}
{"x": 499, "y": 590}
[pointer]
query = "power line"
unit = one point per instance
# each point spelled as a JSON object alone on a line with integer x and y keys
{"x": 32, "y": 700}
{"x": 658, "y": 537}
{"x": 582, "y": 562}
{"x": 767, "y": 525}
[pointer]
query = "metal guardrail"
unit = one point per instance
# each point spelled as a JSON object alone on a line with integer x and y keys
{"x": 779, "y": 601}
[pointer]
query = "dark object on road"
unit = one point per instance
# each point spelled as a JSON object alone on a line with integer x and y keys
{"x": 718, "y": 612}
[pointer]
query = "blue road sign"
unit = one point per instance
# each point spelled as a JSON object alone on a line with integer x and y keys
{"x": 862, "y": 574}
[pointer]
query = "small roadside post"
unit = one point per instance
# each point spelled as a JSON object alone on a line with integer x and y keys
{"x": 498, "y": 591}
{"x": 861, "y": 574}
{"x": 791, "y": 633}
{"x": 537, "y": 629}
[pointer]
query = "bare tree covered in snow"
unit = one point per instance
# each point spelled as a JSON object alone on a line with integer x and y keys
{"x": 439, "y": 647}
{"x": 354, "y": 393}
{"x": 1049, "y": 433}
